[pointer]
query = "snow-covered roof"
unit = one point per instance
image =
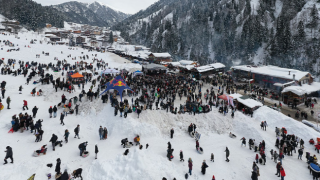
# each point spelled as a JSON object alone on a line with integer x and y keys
{"x": 163, "y": 55}
{"x": 236, "y": 95}
{"x": 174, "y": 63}
{"x": 274, "y": 71}
{"x": 249, "y": 102}
{"x": 204, "y": 68}
{"x": 304, "y": 89}
{"x": 217, "y": 65}
{"x": 187, "y": 62}
{"x": 154, "y": 66}
{"x": 189, "y": 67}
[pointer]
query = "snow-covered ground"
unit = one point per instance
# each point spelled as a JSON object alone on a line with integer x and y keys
{"x": 153, "y": 126}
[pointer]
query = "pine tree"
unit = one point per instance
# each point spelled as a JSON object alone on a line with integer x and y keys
{"x": 301, "y": 32}
{"x": 111, "y": 38}
{"x": 315, "y": 17}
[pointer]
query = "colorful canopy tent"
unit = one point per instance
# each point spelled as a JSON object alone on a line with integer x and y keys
{"x": 227, "y": 98}
{"x": 118, "y": 84}
{"x": 76, "y": 75}
{"x": 137, "y": 73}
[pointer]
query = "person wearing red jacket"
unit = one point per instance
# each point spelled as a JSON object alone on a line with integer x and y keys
{"x": 213, "y": 178}
{"x": 282, "y": 173}
{"x": 257, "y": 158}
{"x": 25, "y": 105}
{"x": 281, "y": 156}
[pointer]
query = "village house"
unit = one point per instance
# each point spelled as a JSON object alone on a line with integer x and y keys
{"x": 158, "y": 57}
{"x": 80, "y": 40}
{"x": 138, "y": 48}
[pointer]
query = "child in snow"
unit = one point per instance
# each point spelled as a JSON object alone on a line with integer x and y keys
{"x": 212, "y": 157}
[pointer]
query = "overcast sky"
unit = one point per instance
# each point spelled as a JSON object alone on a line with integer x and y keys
{"x": 126, "y": 6}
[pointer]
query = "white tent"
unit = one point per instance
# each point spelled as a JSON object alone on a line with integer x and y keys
{"x": 110, "y": 71}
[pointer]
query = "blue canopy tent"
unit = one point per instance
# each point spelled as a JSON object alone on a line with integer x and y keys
{"x": 137, "y": 73}
{"x": 118, "y": 84}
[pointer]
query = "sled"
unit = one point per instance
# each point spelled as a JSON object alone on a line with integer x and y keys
{"x": 191, "y": 134}
{"x": 11, "y": 130}
{"x": 314, "y": 167}
{"x": 128, "y": 145}
{"x": 38, "y": 94}
{"x": 200, "y": 150}
{"x": 311, "y": 141}
{"x": 85, "y": 154}
{"x": 35, "y": 154}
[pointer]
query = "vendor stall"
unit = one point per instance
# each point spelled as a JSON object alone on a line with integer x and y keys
{"x": 77, "y": 78}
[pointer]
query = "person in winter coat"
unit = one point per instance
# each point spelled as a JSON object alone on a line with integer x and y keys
{"x": 77, "y": 109}
{"x": 263, "y": 156}
{"x": 34, "y": 111}
{"x": 66, "y": 111}
{"x": 20, "y": 89}
{"x": 105, "y": 133}
{"x": 300, "y": 151}
{"x": 123, "y": 142}
{"x": 9, "y": 154}
{"x": 278, "y": 166}
{"x": 66, "y": 135}
{"x": 65, "y": 175}
{"x": 96, "y": 150}
{"x": 82, "y": 147}
{"x": 171, "y": 133}
{"x": 53, "y": 140}
{"x": 197, "y": 144}
{"x": 57, "y": 169}
{"x": 8, "y": 102}
{"x": 282, "y": 173}
{"x": 25, "y": 105}
{"x": 55, "y": 109}
{"x": 257, "y": 158}
{"x": 190, "y": 166}
{"x": 50, "y": 111}
{"x": 101, "y": 132}
{"x": 254, "y": 175}
{"x": 203, "y": 167}
{"x": 169, "y": 145}
{"x": 181, "y": 156}
{"x": 125, "y": 111}
{"x": 243, "y": 141}
{"x": 76, "y": 131}
{"x": 227, "y": 154}
{"x": 61, "y": 119}
{"x": 212, "y": 157}
{"x": 275, "y": 156}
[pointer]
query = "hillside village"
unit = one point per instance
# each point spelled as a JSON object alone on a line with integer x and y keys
{"x": 171, "y": 113}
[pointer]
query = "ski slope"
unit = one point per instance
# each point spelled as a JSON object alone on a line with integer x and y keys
{"x": 153, "y": 126}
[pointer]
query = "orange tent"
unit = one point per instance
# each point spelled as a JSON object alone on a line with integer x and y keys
{"x": 76, "y": 75}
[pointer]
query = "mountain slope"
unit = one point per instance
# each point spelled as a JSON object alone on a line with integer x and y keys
{"x": 95, "y": 13}
{"x": 30, "y": 14}
{"x": 277, "y": 32}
